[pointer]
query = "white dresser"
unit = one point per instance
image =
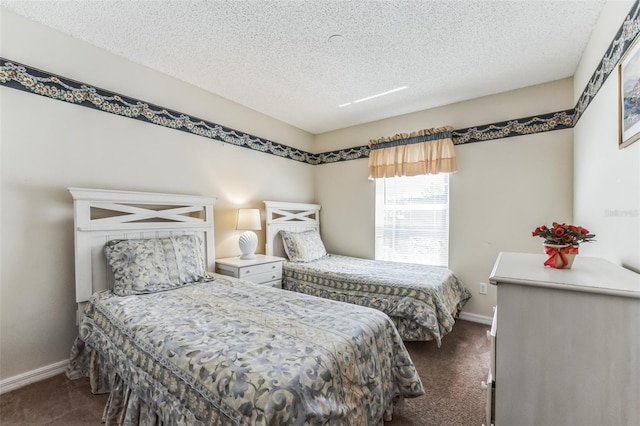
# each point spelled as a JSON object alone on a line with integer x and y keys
{"x": 263, "y": 269}
{"x": 567, "y": 343}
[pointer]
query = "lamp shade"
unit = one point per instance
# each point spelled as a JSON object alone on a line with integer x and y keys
{"x": 249, "y": 219}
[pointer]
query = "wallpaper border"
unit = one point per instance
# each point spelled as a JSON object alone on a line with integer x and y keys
{"x": 32, "y": 80}
{"x": 619, "y": 45}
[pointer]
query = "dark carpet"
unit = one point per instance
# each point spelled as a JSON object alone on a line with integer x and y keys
{"x": 451, "y": 376}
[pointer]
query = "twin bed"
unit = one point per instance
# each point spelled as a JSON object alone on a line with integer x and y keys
{"x": 175, "y": 344}
{"x": 421, "y": 300}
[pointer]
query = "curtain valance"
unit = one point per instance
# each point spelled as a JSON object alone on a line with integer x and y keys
{"x": 428, "y": 151}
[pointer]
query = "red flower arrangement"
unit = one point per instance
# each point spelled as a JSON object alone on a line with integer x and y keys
{"x": 562, "y": 234}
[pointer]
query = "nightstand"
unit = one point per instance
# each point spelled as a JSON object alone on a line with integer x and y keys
{"x": 266, "y": 270}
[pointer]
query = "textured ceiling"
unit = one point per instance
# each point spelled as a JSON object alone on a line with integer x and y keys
{"x": 279, "y": 57}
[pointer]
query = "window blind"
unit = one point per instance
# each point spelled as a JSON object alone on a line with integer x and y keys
{"x": 412, "y": 219}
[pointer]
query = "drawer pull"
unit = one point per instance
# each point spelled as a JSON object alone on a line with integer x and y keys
{"x": 248, "y": 271}
{"x": 273, "y": 267}
{"x": 483, "y": 385}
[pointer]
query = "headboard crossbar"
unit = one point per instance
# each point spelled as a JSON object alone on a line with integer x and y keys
{"x": 294, "y": 217}
{"x": 282, "y": 216}
{"x": 103, "y": 215}
{"x": 138, "y": 213}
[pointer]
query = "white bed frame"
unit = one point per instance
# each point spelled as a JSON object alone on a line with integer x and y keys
{"x": 103, "y": 215}
{"x": 294, "y": 217}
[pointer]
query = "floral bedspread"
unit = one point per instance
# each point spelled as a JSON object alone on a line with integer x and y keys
{"x": 233, "y": 352}
{"x": 421, "y": 300}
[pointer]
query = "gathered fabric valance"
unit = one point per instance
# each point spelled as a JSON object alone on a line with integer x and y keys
{"x": 428, "y": 151}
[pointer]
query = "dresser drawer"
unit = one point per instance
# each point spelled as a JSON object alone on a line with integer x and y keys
{"x": 492, "y": 335}
{"x": 490, "y": 384}
{"x": 247, "y": 272}
{"x": 488, "y": 387}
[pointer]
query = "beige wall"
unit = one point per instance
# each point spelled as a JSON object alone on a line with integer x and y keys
{"x": 504, "y": 187}
{"x": 503, "y": 190}
{"x": 49, "y": 145}
{"x": 507, "y": 187}
{"x": 607, "y": 179}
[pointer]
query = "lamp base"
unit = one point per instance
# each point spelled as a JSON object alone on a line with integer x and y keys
{"x": 248, "y": 243}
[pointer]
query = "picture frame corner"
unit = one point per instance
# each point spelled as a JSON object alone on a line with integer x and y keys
{"x": 629, "y": 132}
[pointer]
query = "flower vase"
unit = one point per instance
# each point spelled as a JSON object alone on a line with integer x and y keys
{"x": 561, "y": 256}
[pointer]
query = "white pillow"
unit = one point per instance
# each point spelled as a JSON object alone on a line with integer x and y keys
{"x": 303, "y": 246}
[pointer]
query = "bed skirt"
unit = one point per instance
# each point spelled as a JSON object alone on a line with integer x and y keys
{"x": 126, "y": 407}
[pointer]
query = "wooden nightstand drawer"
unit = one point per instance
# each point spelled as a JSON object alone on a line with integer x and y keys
{"x": 276, "y": 284}
{"x": 265, "y": 270}
{"x": 247, "y": 272}
{"x": 264, "y": 277}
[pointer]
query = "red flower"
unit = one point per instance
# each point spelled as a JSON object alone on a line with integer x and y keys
{"x": 562, "y": 233}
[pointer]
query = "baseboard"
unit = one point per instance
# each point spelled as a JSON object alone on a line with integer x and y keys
{"x": 24, "y": 379}
{"x": 475, "y": 318}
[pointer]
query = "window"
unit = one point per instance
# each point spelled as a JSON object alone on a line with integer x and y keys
{"x": 412, "y": 219}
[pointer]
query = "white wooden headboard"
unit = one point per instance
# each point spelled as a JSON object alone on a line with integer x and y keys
{"x": 103, "y": 215}
{"x": 295, "y": 217}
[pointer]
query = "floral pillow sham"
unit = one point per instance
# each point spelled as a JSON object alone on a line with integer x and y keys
{"x": 157, "y": 264}
{"x": 303, "y": 246}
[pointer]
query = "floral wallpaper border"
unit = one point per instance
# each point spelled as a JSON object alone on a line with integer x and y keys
{"x": 621, "y": 42}
{"x": 23, "y": 77}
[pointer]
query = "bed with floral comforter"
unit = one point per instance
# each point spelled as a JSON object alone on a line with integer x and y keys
{"x": 230, "y": 352}
{"x": 422, "y": 300}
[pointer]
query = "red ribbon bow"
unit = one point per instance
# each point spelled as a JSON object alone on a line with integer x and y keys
{"x": 553, "y": 252}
